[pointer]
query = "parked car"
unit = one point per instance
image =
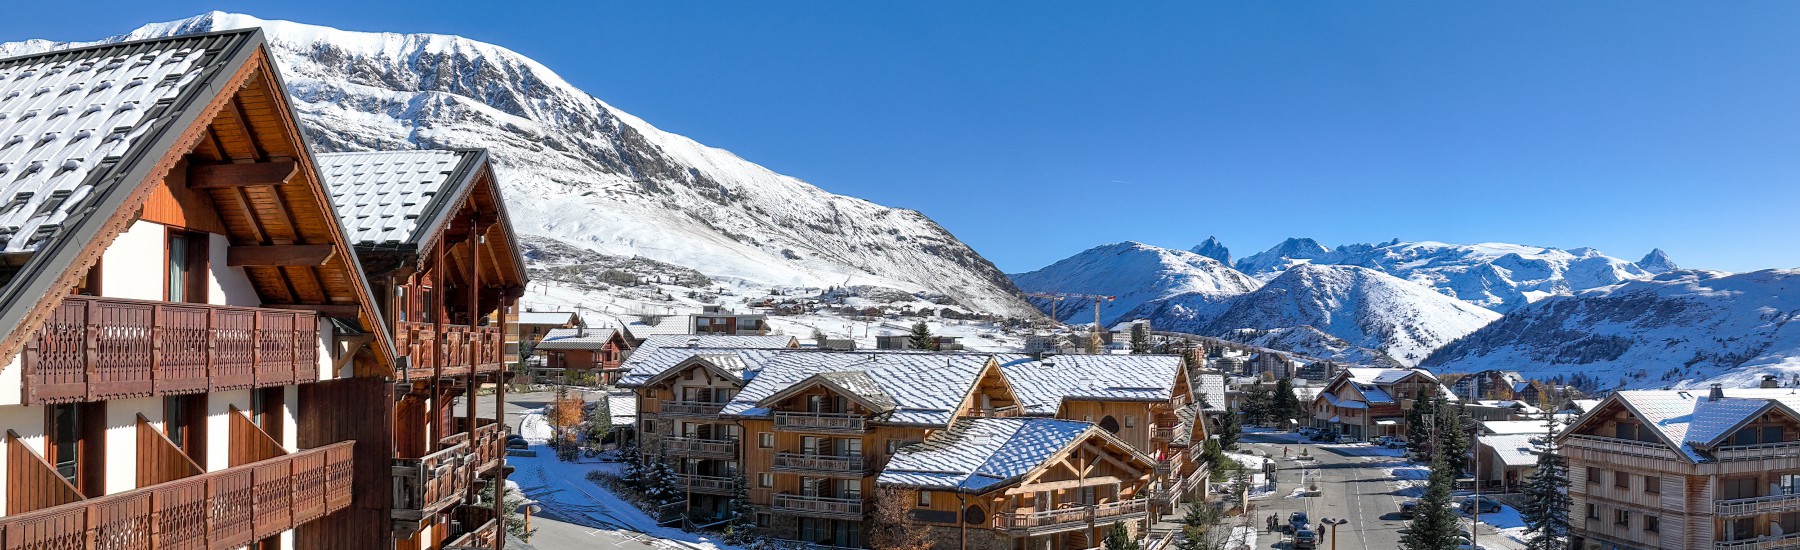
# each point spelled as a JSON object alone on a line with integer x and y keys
{"x": 1305, "y": 540}
{"x": 1297, "y": 521}
{"x": 1391, "y": 442}
{"x": 1307, "y": 430}
{"x": 1484, "y": 504}
{"x": 1348, "y": 439}
{"x": 1408, "y": 508}
{"x": 1321, "y": 435}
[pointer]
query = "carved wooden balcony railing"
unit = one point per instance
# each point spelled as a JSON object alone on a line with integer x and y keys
{"x": 844, "y": 508}
{"x": 821, "y": 422}
{"x": 426, "y": 485}
{"x": 489, "y": 446}
{"x": 449, "y": 353}
{"x": 1071, "y": 517}
{"x": 853, "y": 466}
{"x": 711, "y": 485}
{"x": 1771, "y": 504}
{"x": 697, "y": 409}
{"x": 93, "y": 349}
{"x": 479, "y": 527}
{"x": 225, "y": 509}
{"x": 691, "y": 446}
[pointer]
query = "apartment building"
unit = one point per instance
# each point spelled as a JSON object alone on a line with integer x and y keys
{"x": 598, "y": 352}
{"x": 1366, "y": 403}
{"x": 1716, "y": 469}
{"x": 180, "y": 307}
{"x": 1145, "y": 401}
{"x": 432, "y": 226}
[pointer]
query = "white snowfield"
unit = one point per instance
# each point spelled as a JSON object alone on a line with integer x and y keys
{"x": 581, "y": 171}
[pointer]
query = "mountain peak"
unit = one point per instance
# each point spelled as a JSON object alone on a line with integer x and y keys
{"x": 1214, "y": 249}
{"x": 1657, "y": 262}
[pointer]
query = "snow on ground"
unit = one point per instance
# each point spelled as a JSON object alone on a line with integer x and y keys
{"x": 1242, "y": 538}
{"x": 1363, "y": 449}
{"x": 1409, "y": 481}
{"x": 1280, "y": 437}
{"x": 533, "y": 427}
{"x": 1507, "y": 521}
{"x": 563, "y": 489}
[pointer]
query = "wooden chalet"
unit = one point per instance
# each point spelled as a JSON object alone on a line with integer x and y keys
{"x": 579, "y": 353}
{"x": 432, "y": 230}
{"x": 179, "y": 308}
{"x": 1365, "y": 403}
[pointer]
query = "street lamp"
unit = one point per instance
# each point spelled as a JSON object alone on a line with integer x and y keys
{"x": 1333, "y": 523}
{"x": 529, "y": 508}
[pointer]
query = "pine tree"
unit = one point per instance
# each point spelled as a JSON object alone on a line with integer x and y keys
{"x": 633, "y": 474}
{"x": 921, "y": 337}
{"x": 1285, "y": 405}
{"x": 1453, "y": 438}
{"x": 1257, "y": 405}
{"x": 1230, "y": 427}
{"x": 1212, "y": 453}
{"x": 1200, "y": 527}
{"x": 742, "y": 527}
{"x": 1434, "y": 525}
{"x": 1140, "y": 338}
{"x": 1547, "y": 503}
{"x": 660, "y": 484}
{"x": 599, "y": 423}
{"x": 1118, "y": 538}
{"x": 1418, "y": 434}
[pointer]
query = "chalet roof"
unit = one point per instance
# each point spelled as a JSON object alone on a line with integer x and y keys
{"x": 1694, "y": 423}
{"x": 623, "y": 406}
{"x": 925, "y": 387}
{"x": 392, "y": 197}
{"x": 1510, "y": 427}
{"x": 1514, "y": 450}
{"x": 1184, "y": 425}
{"x": 1212, "y": 387}
{"x": 1042, "y": 385}
{"x": 576, "y": 338}
{"x": 546, "y": 318}
{"x": 664, "y": 341}
{"x": 978, "y": 455}
{"x": 644, "y": 365}
{"x": 856, "y": 385}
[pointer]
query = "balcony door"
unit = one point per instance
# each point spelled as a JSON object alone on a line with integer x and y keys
{"x": 185, "y": 267}
{"x": 846, "y": 446}
{"x": 77, "y": 445}
{"x": 184, "y": 422}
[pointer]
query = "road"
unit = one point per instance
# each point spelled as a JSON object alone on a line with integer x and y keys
{"x": 1360, "y": 489}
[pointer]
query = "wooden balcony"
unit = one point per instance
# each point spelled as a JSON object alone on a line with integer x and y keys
{"x": 711, "y": 485}
{"x": 822, "y": 507}
{"x": 1766, "y": 451}
{"x": 450, "y": 350}
{"x": 690, "y": 409}
{"x": 696, "y": 447}
{"x": 1761, "y": 543}
{"x": 997, "y": 412}
{"x": 1772, "y": 504}
{"x": 429, "y": 484}
{"x": 225, "y": 509}
{"x": 821, "y": 422}
{"x": 1162, "y": 433}
{"x": 489, "y": 446}
{"x": 479, "y": 528}
{"x": 95, "y": 349}
{"x": 827, "y": 465}
{"x": 1075, "y": 517}
{"x": 1608, "y": 450}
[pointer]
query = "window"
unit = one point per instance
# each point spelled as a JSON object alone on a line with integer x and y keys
{"x": 267, "y": 410}
{"x": 1131, "y": 422}
{"x": 1622, "y": 480}
{"x": 184, "y": 422}
{"x": 76, "y": 445}
{"x": 649, "y": 425}
{"x": 1790, "y": 484}
{"x": 924, "y": 499}
{"x": 762, "y": 519}
{"x": 1593, "y": 475}
{"x": 1740, "y": 529}
{"x": 65, "y": 442}
{"x": 1652, "y": 484}
{"x": 1788, "y": 522}
{"x": 185, "y": 267}
{"x": 1621, "y": 517}
{"x": 1593, "y": 512}
{"x": 1652, "y": 524}
{"x": 765, "y": 440}
{"x": 765, "y": 480}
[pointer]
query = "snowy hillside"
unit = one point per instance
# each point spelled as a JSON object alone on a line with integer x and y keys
{"x": 1679, "y": 328}
{"x": 1136, "y": 273}
{"x": 1363, "y": 307}
{"x": 1497, "y": 276}
{"x": 582, "y": 172}
{"x": 1214, "y": 249}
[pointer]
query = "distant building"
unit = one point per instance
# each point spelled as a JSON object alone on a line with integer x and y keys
{"x": 711, "y": 320}
{"x": 1371, "y": 402}
{"x": 597, "y": 351}
{"x": 525, "y": 328}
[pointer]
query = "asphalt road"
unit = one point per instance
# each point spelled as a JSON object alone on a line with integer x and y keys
{"x": 1356, "y": 488}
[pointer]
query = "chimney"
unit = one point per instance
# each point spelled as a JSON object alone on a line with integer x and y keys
{"x": 694, "y": 342}
{"x": 1770, "y": 381}
{"x": 1718, "y": 392}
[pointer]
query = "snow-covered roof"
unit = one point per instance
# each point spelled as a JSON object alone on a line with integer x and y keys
{"x": 546, "y": 317}
{"x": 1336, "y": 401}
{"x": 925, "y": 387}
{"x": 1384, "y": 377}
{"x": 854, "y": 384}
{"x": 74, "y": 124}
{"x": 747, "y": 341}
{"x": 1511, "y": 427}
{"x": 1212, "y": 387}
{"x": 393, "y": 197}
{"x": 1696, "y": 423}
{"x": 1513, "y": 449}
{"x": 576, "y": 338}
{"x": 1376, "y": 395}
{"x": 1042, "y": 385}
{"x": 1584, "y": 405}
{"x": 978, "y": 455}
{"x": 623, "y": 406}
{"x": 646, "y": 364}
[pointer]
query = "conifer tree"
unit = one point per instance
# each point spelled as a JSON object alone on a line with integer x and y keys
{"x": 1418, "y": 433}
{"x": 1230, "y": 427}
{"x": 1434, "y": 525}
{"x": 921, "y": 337}
{"x": 742, "y": 527}
{"x": 1547, "y": 503}
{"x": 1118, "y": 538}
{"x": 1200, "y": 527}
{"x": 1285, "y": 405}
{"x": 1140, "y": 338}
{"x": 1453, "y": 438}
{"x": 1257, "y": 405}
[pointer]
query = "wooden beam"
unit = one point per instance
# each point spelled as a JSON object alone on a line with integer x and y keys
{"x": 328, "y": 310}
{"x": 307, "y": 255}
{"x": 243, "y": 174}
{"x": 1065, "y": 484}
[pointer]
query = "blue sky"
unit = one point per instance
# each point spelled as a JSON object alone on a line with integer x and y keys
{"x": 1033, "y": 130}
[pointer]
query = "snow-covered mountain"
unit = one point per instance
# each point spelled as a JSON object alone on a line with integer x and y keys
{"x": 1681, "y": 328}
{"x": 582, "y": 172}
{"x": 1497, "y": 276}
{"x": 1363, "y": 307}
{"x": 1214, "y": 249}
{"x": 1136, "y": 273}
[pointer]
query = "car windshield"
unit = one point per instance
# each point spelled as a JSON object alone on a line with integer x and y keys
{"x": 1299, "y": 517}
{"x": 1304, "y": 535}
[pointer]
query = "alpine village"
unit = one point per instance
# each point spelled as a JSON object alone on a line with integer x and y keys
{"x": 215, "y": 334}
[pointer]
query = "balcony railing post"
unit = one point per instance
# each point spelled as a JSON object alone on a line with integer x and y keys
{"x": 91, "y": 348}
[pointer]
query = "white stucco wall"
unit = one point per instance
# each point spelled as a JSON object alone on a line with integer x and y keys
{"x": 121, "y": 439}
{"x": 227, "y": 285}
{"x": 132, "y": 267}
{"x": 218, "y": 426}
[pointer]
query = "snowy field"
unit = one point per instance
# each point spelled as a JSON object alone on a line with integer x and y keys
{"x": 563, "y": 489}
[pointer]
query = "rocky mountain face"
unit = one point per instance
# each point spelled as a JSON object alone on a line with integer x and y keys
{"x": 1682, "y": 328}
{"x": 1136, "y": 273}
{"x": 1214, "y": 249}
{"x": 581, "y": 172}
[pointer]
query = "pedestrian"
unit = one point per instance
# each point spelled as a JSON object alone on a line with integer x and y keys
{"x": 1284, "y": 452}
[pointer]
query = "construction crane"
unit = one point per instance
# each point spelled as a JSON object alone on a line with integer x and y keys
{"x": 1054, "y": 297}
